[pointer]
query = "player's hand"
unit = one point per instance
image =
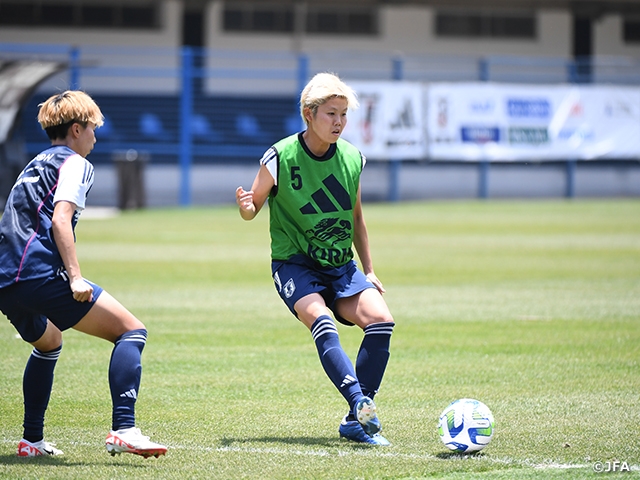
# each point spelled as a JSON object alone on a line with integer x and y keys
{"x": 244, "y": 199}
{"x": 376, "y": 282}
{"x": 82, "y": 290}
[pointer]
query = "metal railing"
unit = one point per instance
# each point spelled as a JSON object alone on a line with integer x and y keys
{"x": 189, "y": 105}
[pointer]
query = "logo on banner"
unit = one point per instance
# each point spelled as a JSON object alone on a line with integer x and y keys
{"x": 482, "y": 107}
{"x": 405, "y": 117}
{"x": 441, "y": 133}
{"x": 404, "y": 121}
{"x": 532, "y": 136}
{"x": 480, "y": 134}
{"x": 443, "y": 112}
{"x": 577, "y": 110}
{"x": 521, "y": 108}
{"x": 618, "y": 109}
{"x": 581, "y": 133}
{"x": 369, "y": 104}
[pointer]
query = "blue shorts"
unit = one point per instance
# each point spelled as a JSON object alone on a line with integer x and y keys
{"x": 28, "y": 305}
{"x": 300, "y": 276}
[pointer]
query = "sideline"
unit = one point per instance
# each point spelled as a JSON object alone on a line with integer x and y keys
{"x": 99, "y": 213}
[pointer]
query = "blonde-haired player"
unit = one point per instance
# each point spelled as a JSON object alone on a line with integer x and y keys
{"x": 42, "y": 290}
{"x": 312, "y": 182}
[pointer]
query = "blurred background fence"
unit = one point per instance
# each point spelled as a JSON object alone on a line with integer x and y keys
{"x": 186, "y": 108}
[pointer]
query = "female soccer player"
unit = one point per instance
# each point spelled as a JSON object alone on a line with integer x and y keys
{"x": 42, "y": 291}
{"x": 312, "y": 182}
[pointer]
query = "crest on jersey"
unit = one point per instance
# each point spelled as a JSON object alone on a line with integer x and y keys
{"x": 330, "y": 230}
{"x": 289, "y": 288}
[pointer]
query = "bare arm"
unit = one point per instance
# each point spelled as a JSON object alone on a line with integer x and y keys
{"x": 63, "y": 234}
{"x": 252, "y": 201}
{"x": 361, "y": 243}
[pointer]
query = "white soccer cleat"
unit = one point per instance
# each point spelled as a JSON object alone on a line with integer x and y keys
{"x": 365, "y": 412}
{"x": 28, "y": 449}
{"x": 131, "y": 440}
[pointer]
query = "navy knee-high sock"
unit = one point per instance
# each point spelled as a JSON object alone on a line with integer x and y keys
{"x": 125, "y": 370}
{"x": 334, "y": 360}
{"x": 373, "y": 356}
{"x": 36, "y": 388}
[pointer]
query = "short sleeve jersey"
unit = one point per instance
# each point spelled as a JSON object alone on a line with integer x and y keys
{"x": 27, "y": 248}
{"x": 311, "y": 204}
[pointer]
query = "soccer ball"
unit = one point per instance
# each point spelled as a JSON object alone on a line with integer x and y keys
{"x": 466, "y": 426}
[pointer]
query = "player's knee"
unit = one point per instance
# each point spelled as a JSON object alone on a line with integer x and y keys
{"x": 137, "y": 325}
{"x": 389, "y": 319}
{"x": 380, "y": 318}
{"x": 384, "y": 318}
{"x": 132, "y": 324}
{"x": 50, "y": 340}
{"x": 382, "y": 315}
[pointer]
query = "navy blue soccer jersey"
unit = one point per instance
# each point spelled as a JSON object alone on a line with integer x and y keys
{"x": 27, "y": 247}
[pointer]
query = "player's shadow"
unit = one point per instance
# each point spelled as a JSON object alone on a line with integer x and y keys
{"x": 42, "y": 460}
{"x": 61, "y": 461}
{"x": 458, "y": 455}
{"x": 308, "y": 441}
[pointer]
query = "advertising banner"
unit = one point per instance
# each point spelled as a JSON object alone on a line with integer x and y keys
{"x": 389, "y": 125}
{"x": 480, "y": 121}
{"x": 495, "y": 122}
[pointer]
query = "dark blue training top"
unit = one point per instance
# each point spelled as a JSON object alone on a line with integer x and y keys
{"x": 27, "y": 248}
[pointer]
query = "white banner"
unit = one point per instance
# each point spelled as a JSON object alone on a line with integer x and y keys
{"x": 496, "y": 122}
{"x": 479, "y": 121}
{"x": 389, "y": 125}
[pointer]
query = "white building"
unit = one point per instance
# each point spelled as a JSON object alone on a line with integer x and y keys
{"x": 441, "y": 36}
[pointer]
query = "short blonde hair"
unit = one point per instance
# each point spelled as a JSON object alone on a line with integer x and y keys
{"x": 322, "y": 87}
{"x": 60, "y": 111}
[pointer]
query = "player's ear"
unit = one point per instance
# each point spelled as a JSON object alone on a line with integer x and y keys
{"x": 307, "y": 114}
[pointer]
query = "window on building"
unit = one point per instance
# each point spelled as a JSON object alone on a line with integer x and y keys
{"x": 323, "y": 22}
{"x": 80, "y": 13}
{"x": 57, "y": 14}
{"x": 18, "y": 13}
{"x": 488, "y": 25}
{"x": 247, "y": 17}
{"x": 97, "y": 15}
{"x": 345, "y": 21}
{"x": 138, "y": 16}
{"x": 278, "y": 18}
{"x": 362, "y": 23}
{"x": 233, "y": 20}
{"x": 631, "y": 30}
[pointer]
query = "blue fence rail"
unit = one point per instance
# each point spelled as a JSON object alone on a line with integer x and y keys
{"x": 191, "y": 105}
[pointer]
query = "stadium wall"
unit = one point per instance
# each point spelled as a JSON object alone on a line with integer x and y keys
{"x": 216, "y": 184}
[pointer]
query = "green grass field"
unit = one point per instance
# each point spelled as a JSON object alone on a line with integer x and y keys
{"x": 532, "y": 307}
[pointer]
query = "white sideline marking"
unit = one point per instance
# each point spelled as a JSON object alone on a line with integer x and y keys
{"x": 374, "y": 452}
{"x": 560, "y": 466}
{"x": 99, "y": 213}
{"x": 377, "y": 452}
